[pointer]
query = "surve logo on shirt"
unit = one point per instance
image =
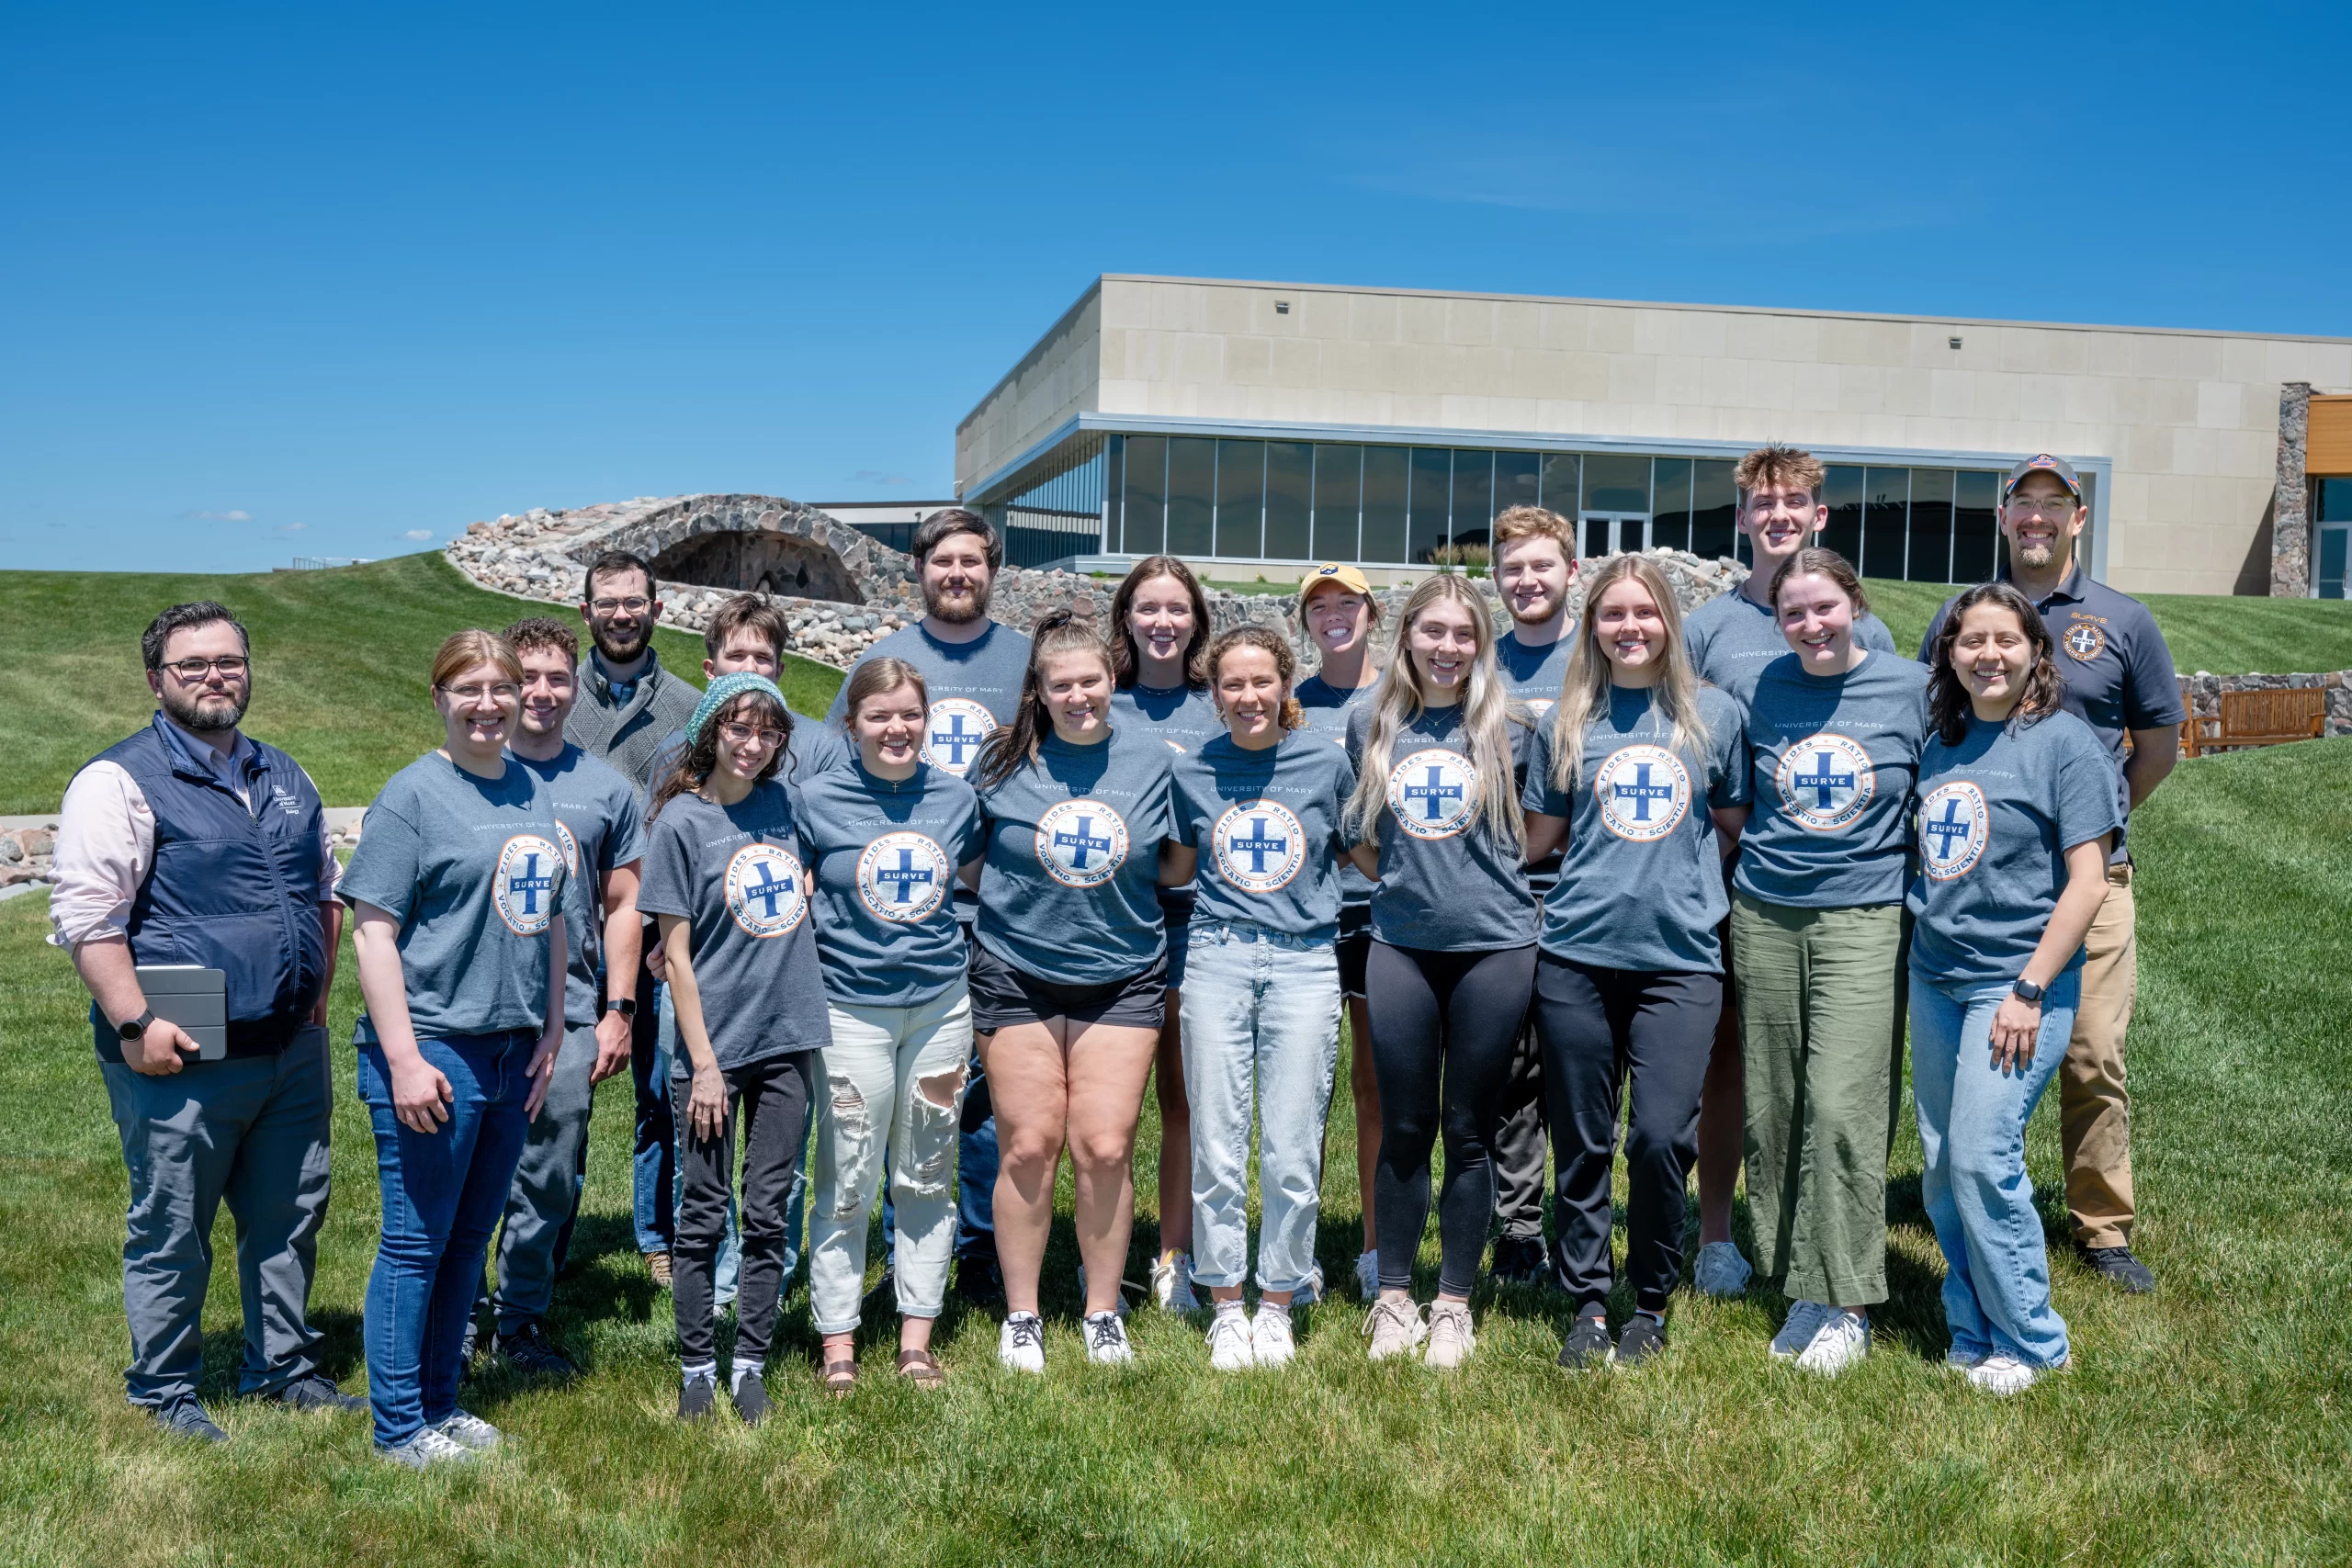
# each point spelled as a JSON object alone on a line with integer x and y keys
{"x": 524, "y": 891}
{"x": 1259, "y": 846}
{"x": 1081, "y": 843}
{"x": 765, "y": 891}
{"x": 903, "y": 876}
{"x": 1644, "y": 793}
{"x": 1953, "y": 825}
{"x": 1434, "y": 793}
{"x": 952, "y": 733}
{"x": 571, "y": 848}
{"x": 2085, "y": 640}
{"x": 1824, "y": 781}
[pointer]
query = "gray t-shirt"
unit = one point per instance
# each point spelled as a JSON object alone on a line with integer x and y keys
{"x": 1067, "y": 890}
{"x": 734, "y": 874}
{"x": 1532, "y": 677}
{"x": 1184, "y": 718}
{"x": 974, "y": 687}
{"x": 1998, "y": 813}
{"x": 1732, "y": 638}
{"x": 1448, "y": 883}
{"x": 1832, "y": 759}
{"x": 884, "y": 856}
{"x": 1326, "y": 710}
{"x": 601, "y": 829}
{"x": 1266, "y": 827}
{"x": 474, "y": 872}
{"x": 1640, "y": 885}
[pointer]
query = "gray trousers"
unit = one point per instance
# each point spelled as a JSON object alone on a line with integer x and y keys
{"x": 1520, "y": 1143}
{"x": 546, "y": 1194}
{"x": 251, "y": 1130}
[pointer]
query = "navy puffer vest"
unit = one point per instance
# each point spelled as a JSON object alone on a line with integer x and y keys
{"x": 232, "y": 889}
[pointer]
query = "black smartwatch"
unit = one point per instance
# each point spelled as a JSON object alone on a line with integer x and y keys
{"x": 131, "y": 1029}
{"x": 625, "y": 1006}
{"x": 2026, "y": 990}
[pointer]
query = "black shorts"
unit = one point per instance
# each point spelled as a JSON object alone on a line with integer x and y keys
{"x": 1003, "y": 995}
{"x": 1354, "y": 946}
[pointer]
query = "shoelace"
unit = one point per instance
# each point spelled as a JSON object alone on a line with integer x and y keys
{"x": 1027, "y": 1330}
{"x": 1404, "y": 1312}
{"x": 1104, "y": 1332}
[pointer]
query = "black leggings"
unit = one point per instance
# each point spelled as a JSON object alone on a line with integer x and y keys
{"x": 769, "y": 1099}
{"x": 1600, "y": 1026}
{"x": 1450, "y": 1017}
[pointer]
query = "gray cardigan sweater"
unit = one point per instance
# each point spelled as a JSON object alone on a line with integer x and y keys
{"x": 626, "y": 735}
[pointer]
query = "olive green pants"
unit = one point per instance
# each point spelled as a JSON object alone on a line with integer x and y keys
{"x": 1820, "y": 1025}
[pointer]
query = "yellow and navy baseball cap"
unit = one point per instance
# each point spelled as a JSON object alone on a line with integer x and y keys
{"x": 1340, "y": 572}
{"x": 2043, "y": 463}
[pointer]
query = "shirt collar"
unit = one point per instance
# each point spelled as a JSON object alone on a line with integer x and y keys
{"x": 201, "y": 755}
{"x": 603, "y": 678}
{"x": 2070, "y": 587}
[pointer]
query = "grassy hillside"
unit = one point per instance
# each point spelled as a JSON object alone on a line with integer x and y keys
{"x": 2206, "y": 1424}
{"x": 2226, "y": 636}
{"x": 340, "y": 665}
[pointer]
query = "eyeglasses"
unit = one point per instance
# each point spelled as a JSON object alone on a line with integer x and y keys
{"x": 2047, "y": 505}
{"x": 503, "y": 692}
{"x": 620, "y": 606}
{"x": 197, "y": 669}
{"x": 744, "y": 734}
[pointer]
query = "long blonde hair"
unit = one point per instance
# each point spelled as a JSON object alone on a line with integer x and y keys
{"x": 1584, "y": 690}
{"x": 1486, "y": 718}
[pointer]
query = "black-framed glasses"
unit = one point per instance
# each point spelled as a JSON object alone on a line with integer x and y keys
{"x": 234, "y": 665}
{"x": 631, "y": 606}
{"x": 744, "y": 734}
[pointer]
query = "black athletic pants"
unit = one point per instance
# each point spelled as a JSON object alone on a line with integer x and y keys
{"x": 1521, "y": 1142}
{"x": 1598, "y": 1026}
{"x": 1442, "y": 1028}
{"x": 770, "y": 1102}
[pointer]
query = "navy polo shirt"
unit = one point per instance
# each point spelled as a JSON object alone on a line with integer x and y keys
{"x": 2114, "y": 664}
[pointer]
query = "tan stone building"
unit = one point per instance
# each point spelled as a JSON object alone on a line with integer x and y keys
{"x": 1257, "y": 427}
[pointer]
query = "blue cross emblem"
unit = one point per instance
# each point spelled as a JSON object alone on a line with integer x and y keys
{"x": 1824, "y": 779}
{"x": 767, "y": 889}
{"x": 903, "y": 878}
{"x": 529, "y": 883}
{"x": 1948, "y": 828}
{"x": 1082, "y": 842}
{"x": 955, "y": 739}
{"x": 1641, "y": 791}
{"x": 1259, "y": 844}
{"x": 1434, "y": 794}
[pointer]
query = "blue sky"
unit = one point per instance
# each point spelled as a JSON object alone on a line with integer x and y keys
{"x": 334, "y": 281}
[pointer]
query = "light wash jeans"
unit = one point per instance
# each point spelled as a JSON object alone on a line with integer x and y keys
{"x": 1261, "y": 1010}
{"x": 1971, "y": 1135}
{"x": 869, "y": 1085}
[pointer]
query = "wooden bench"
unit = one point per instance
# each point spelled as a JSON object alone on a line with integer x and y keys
{"x": 2257, "y": 718}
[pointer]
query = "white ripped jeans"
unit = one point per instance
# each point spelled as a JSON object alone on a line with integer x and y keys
{"x": 872, "y": 1100}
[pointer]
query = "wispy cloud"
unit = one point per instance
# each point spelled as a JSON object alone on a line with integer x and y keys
{"x": 237, "y": 515}
{"x": 876, "y": 477}
{"x": 294, "y": 528}
{"x": 418, "y": 534}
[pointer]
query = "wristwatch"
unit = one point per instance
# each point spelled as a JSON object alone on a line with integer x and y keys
{"x": 625, "y": 1006}
{"x": 2027, "y": 991}
{"x": 130, "y": 1029}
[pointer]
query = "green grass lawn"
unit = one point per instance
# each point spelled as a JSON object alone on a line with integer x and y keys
{"x": 2205, "y": 1424}
{"x": 340, "y": 665}
{"x": 2226, "y": 636}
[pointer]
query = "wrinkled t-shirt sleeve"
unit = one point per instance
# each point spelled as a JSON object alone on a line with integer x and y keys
{"x": 389, "y": 861}
{"x": 2083, "y": 802}
{"x": 1539, "y": 795}
{"x": 2150, "y": 688}
{"x": 1727, "y": 774}
{"x": 666, "y": 885}
{"x": 626, "y": 843}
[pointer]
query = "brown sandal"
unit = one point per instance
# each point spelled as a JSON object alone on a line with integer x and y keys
{"x": 838, "y": 1377}
{"x": 922, "y": 1369}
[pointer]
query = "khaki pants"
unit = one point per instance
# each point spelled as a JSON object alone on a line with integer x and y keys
{"x": 2093, "y": 1107}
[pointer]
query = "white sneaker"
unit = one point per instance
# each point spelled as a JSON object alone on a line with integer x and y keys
{"x": 1722, "y": 1271}
{"x": 1172, "y": 1282}
{"x": 2005, "y": 1375}
{"x": 471, "y": 1431}
{"x": 427, "y": 1451}
{"x": 1451, "y": 1339}
{"x": 1802, "y": 1322}
{"x": 1106, "y": 1339}
{"x": 1396, "y": 1327}
{"x": 1270, "y": 1340}
{"x": 1959, "y": 1360}
{"x": 1841, "y": 1341}
{"x": 1020, "y": 1343}
{"x": 1230, "y": 1340}
{"x": 1368, "y": 1275}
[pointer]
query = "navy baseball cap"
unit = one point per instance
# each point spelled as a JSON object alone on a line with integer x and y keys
{"x": 2043, "y": 463}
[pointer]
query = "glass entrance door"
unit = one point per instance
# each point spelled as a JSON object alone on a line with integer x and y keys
{"x": 2335, "y": 540}
{"x": 1605, "y": 532}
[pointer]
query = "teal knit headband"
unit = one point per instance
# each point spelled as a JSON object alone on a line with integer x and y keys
{"x": 725, "y": 690}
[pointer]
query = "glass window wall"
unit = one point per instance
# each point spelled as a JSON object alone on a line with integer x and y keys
{"x": 1670, "y": 504}
{"x": 1146, "y": 509}
{"x": 1474, "y": 497}
{"x": 1975, "y": 527}
{"x": 1930, "y": 557}
{"x": 1191, "y": 496}
{"x": 1432, "y": 484}
{"x": 1841, "y": 491}
{"x": 1290, "y": 499}
{"x": 1613, "y": 484}
{"x": 1518, "y": 480}
{"x": 1387, "y": 472}
{"x": 1241, "y": 499}
{"x": 1886, "y": 504}
{"x": 1339, "y": 486}
{"x": 1563, "y": 481}
{"x": 1714, "y": 512}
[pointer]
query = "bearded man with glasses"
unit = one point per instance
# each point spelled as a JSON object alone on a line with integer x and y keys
{"x": 192, "y": 843}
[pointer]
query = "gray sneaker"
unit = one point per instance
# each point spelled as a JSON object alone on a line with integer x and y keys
{"x": 1802, "y": 1322}
{"x": 185, "y": 1418}
{"x": 427, "y": 1450}
{"x": 1395, "y": 1326}
{"x": 1452, "y": 1337}
{"x": 470, "y": 1431}
{"x": 1722, "y": 1271}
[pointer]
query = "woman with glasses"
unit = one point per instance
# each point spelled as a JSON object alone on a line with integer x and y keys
{"x": 724, "y": 879}
{"x": 456, "y": 892}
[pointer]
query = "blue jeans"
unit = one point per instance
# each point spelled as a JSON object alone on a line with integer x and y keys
{"x": 443, "y": 1193}
{"x": 662, "y": 1172}
{"x": 1971, "y": 1135}
{"x": 1262, "y": 1011}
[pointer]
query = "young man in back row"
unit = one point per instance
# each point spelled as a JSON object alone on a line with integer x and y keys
{"x": 1732, "y": 638}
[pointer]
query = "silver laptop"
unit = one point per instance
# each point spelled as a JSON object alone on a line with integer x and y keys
{"x": 196, "y": 999}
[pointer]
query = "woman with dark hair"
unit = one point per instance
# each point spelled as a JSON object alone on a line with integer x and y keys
{"x": 1068, "y": 970}
{"x": 1257, "y": 811}
{"x": 1160, "y": 626}
{"x": 1834, "y": 732}
{"x": 456, "y": 892}
{"x": 2017, "y": 803}
{"x": 723, "y": 878}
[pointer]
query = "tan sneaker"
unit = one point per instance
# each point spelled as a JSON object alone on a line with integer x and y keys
{"x": 657, "y": 1265}
{"x": 1451, "y": 1339}
{"x": 1396, "y": 1327}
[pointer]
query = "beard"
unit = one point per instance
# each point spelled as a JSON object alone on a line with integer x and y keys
{"x": 959, "y": 611}
{"x": 620, "y": 647}
{"x": 204, "y": 712}
{"x": 2037, "y": 556}
{"x": 1536, "y": 614}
